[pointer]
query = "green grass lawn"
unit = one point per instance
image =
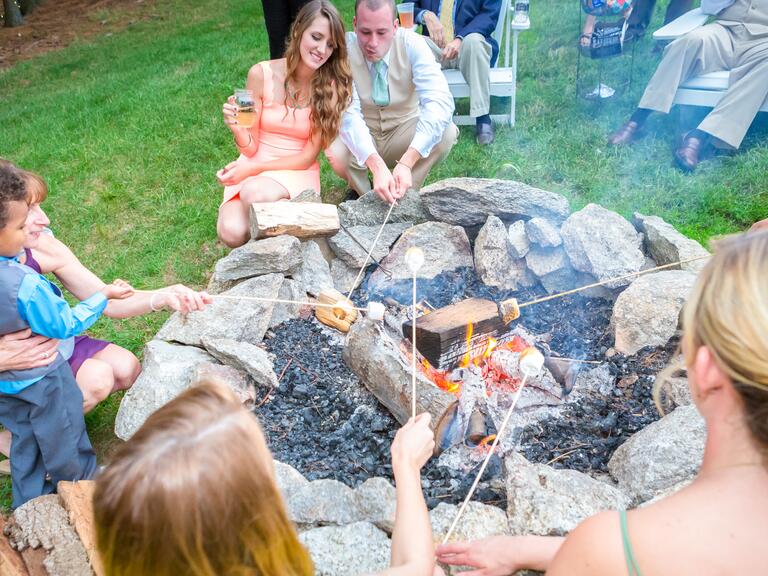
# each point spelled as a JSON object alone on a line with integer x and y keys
{"x": 127, "y": 130}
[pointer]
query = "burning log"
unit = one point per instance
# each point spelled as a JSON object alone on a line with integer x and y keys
{"x": 300, "y": 219}
{"x": 441, "y": 336}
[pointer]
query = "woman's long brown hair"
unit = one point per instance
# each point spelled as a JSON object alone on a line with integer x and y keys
{"x": 331, "y": 86}
{"x": 192, "y": 493}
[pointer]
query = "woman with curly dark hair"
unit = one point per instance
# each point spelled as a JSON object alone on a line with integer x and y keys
{"x": 298, "y": 101}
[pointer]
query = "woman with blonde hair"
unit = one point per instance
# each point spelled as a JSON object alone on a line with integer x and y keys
{"x": 299, "y": 101}
{"x": 717, "y": 524}
{"x": 193, "y": 493}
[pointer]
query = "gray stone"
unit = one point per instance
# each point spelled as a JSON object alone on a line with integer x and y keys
{"x": 309, "y": 195}
{"x": 518, "y": 239}
{"x": 343, "y": 276}
{"x": 603, "y": 244}
{"x": 445, "y": 248}
{"x": 494, "y": 262}
{"x": 323, "y": 502}
{"x": 543, "y": 233}
{"x": 469, "y": 201}
{"x": 282, "y": 312}
{"x": 237, "y": 380}
{"x": 478, "y": 521}
{"x": 258, "y": 257}
{"x": 376, "y": 500}
{"x": 648, "y": 312}
{"x": 597, "y": 381}
{"x": 661, "y": 455}
{"x": 376, "y": 359}
{"x": 359, "y": 548}
{"x": 167, "y": 370}
{"x": 667, "y": 245}
{"x": 353, "y": 255}
{"x": 549, "y": 502}
{"x": 370, "y": 210}
{"x": 314, "y": 273}
{"x": 544, "y": 261}
{"x": 243, "y": 356}
{"x": 289, "y": 480}
{"x": 235, "y": 318}
{"x": 43, "y": 523}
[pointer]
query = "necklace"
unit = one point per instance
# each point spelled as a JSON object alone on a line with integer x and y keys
{"x": 293, "y": 97}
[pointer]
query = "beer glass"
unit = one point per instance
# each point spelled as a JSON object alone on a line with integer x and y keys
{"x": 405, "y": 12}
{"x": 246, "y": 109}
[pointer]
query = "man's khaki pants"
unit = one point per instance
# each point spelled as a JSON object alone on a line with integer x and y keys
{"x": 708, "y": 49}
{"x": 391, "y": 146}
{"x": 474, "y": 63}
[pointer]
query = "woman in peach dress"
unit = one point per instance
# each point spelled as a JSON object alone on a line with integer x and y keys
{"x": 299, "y": 101}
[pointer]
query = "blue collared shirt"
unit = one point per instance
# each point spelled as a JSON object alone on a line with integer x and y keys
{"x": 42, "y": 307}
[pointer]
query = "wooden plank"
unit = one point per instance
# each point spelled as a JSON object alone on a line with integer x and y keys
{"x": 441, "y": 336}
{"x": 300, "y": 219}
{"x": 77, "y": 500}
{"x": 11, "y": 561}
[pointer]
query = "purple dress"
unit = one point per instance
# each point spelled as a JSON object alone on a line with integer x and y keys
{"x": 85, "y": 346}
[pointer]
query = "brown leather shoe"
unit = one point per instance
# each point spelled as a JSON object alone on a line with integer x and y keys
{"x": 625, "y": 135}
{"x": 687, "y": 157}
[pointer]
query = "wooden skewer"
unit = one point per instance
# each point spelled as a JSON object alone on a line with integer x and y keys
{"x": 259, "y": 299}
{"x": 372, "y": 248}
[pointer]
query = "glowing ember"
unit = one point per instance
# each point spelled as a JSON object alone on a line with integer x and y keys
{"x": 487, "y": 441}
{"x": 439, "y": 378}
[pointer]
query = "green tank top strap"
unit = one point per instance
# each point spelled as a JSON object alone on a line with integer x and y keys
{"x": 632, "y": 568}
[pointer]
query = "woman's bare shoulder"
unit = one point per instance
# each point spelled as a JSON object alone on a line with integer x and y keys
{"x": 593, "y": 548}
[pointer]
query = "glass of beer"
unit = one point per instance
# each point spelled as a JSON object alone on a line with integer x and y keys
{"x": 405, "y": 12}
{"x": 246, "y": 109}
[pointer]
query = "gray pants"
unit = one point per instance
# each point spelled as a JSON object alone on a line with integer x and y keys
{"x": 709, "y": 49}
{"x": 474, "y": 63}
{"x": 49, "y": 440}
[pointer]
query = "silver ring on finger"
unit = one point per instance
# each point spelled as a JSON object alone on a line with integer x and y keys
{"x": 45, "y": 355}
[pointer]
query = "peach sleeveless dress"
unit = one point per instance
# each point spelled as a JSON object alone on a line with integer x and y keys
{"x": 282, "y": 132}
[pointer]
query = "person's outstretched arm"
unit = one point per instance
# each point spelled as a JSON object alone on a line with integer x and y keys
{"x": 412, "y": 543}
{"x": 501, "y": 555}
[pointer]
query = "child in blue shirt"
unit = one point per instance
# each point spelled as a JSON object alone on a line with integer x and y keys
{"x": 42, "y": 407}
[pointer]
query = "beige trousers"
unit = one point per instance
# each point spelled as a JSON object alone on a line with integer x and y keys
{"x": 474, "y": 63}
{"x": 391, "y": 146}
{"x": 709, "y": 49}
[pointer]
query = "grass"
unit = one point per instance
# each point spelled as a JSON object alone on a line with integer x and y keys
{"x": 126, "y": 128}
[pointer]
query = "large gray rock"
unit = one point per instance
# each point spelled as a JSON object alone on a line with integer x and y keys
{"x": 359, "y": 548}
{"x": 494, "y": 262}
{"x": 648, "y": 312}
{"x": 603, "y": 244}
{"x": 445, "y": 248}
{"x": 243, "y": 356}
{"x": 343, "y": 276}
{"x": 370, "y": 210}
{"x": 469, "y": 201}
{"x": 661, "y": 455}
{"x": 258, "y": 257}
{"x": 353, "y": 255}
{"x": 238, "y": 380}
{"x": 376, "y": 500}
{"x": 323, "y": 502}
{"x": 289, "y": 480}
{"x": 230, "y": 317}
{"x": 519, "y": 244}
{"x": 314, "y": 273}
{"x": 43, "y": 523}
{"x": 667, "y": 245}
{"x": 543, "y": 233}
{"x": 478, "y": 521}
{"x": 544, "y": 261}
{"x": 284, "y": 311}
{"x": 166, "y": 371}
{"x": 549, "y": 502}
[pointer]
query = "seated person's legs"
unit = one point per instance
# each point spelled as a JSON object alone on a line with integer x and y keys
{"x": 474, "y": 61}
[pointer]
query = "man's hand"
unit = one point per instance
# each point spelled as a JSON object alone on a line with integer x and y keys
{"x": 435, "y": 29}
{"x": 22, "y": 351}
{"x": 451, "y": 50}
{"x": 235, "y": 172}
{"x": 762, "y": 225}
{"x": 383, "y": 182}
{"x": 403, "y": 179}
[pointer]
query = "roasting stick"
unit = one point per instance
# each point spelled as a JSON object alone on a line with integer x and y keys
{"x": 371, "y": 249}
{"x": 414, "y": 259}
{"x": 531, "y": 362}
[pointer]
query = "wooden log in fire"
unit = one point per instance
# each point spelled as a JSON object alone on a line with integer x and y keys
{"x": 300, "y": 219}
{"x": 442, "y": 335}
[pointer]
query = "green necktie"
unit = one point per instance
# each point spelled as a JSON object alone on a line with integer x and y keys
{"x": 380, "y": 92}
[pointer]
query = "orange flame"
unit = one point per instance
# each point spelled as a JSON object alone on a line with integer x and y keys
{"x": 468, "y": 355}
{"x": 439, "y": 378}
{"x": 487, "y": 440}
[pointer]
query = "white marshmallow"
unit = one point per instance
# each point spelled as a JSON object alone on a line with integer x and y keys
{"x": 531, "y": 361}
{"x": 375, "y": 311}
{"x": 414, "y": 258}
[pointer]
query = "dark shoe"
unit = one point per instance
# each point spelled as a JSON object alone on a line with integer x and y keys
{"x": 634, "y": 32}
{"x": 484, "y": 134}
{"x": 687, "y": 157}
{"x": 625, "y": 135}
{"x": 351, "y": 195}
